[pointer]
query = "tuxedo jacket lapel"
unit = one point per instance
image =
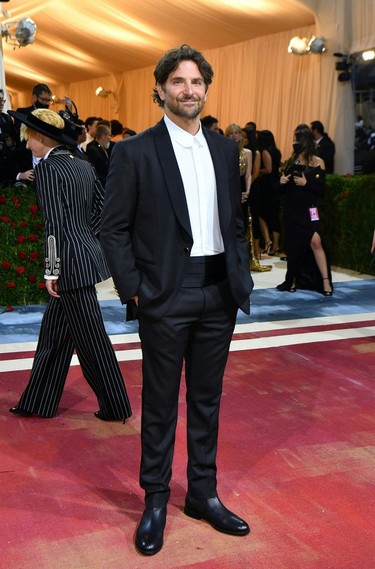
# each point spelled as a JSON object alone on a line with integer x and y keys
{"x": 174, "y": 182}
{"x": 172, "y": 176}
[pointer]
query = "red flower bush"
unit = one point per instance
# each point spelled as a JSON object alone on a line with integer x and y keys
{"x": 21, "y": 239}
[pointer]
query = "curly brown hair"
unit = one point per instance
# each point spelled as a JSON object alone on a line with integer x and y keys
{"x": 171, "y": 60}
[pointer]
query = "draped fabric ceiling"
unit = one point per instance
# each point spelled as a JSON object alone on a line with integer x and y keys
{"x": 79, "y": 40}
{"x": 81, "y": 44}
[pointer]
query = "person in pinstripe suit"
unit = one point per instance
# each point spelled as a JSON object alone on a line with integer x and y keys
{"x": 70, "y": 197}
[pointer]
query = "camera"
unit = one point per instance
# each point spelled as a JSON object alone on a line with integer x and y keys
{"x": 73, "y": 128}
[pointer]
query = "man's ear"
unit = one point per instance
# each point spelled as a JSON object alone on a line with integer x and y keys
{"x": 160, "y": 91}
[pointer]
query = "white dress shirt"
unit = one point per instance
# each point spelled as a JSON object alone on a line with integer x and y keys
{"x": 198, "y": 177}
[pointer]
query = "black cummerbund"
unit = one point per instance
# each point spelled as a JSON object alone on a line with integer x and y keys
{"x": 204, "y": 271}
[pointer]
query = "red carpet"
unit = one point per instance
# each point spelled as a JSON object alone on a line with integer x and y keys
{"x": 296, "y": 461}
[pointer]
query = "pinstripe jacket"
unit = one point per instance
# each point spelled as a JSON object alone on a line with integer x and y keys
{"x": 71, "y": 199}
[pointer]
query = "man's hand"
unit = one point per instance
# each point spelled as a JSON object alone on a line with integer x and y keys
{"x": 27, "y": 175}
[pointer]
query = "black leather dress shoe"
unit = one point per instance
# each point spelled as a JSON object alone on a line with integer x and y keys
{"x": 149, "y": 536}
{"x": 17, "y": 411}
{"x": 216, "y": 514}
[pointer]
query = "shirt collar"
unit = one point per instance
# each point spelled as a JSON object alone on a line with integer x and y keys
{"x": 49, "y": 151}
{"x": 182, "y": 137}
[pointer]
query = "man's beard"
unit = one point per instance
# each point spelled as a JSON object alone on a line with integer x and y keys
{"x": 185, "y": 112}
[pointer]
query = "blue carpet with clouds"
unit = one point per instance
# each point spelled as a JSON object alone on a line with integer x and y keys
{"x": 353, "y": 297}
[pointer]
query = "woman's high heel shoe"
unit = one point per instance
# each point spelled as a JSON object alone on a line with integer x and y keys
{"x": 274, "y": 253}
{"x": 327, "y": 292}
{"x": 267, "y": 248}
{"x": 286, "y": 287}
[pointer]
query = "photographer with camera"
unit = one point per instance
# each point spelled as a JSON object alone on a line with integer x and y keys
{"x": 23, "y": 160}
{"x": 302, "y": 184}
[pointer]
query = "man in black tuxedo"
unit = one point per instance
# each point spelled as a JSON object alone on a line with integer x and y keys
{"x": 324, "y": 146}
{"x": 173, "y": 235}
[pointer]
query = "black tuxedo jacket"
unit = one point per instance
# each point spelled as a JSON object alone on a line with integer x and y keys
{"x": 326, "y": 150}
{"x": 145, "y": 231}
{"x": 99, "y": 158}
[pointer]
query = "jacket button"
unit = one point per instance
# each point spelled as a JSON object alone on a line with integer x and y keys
{"x": 186, "y": 250}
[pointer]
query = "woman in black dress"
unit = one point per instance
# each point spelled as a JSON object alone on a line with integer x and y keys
{"x": 302, "y": 185}
{"x": 269, "y": 196}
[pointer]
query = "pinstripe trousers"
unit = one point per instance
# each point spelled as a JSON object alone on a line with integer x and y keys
{"x": 74, "y": 321}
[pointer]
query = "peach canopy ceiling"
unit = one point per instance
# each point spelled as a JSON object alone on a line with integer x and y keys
{"x": 77, "y": 40}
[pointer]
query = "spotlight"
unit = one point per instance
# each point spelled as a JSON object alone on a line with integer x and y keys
{"x": 100, "y": 92}
{"x": 368, "y": 55}
{"x": 342, "y": 66}
{"x": 344, "y": 76}
{"x": 25, "y": 31}
{"x": 298, "y": 46}
{"x": 19, "y": 33}
{"x": 317, "y": 45}
{"x": 57, "y": 101}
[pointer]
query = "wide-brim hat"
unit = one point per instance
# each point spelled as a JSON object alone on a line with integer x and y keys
{"x": 43, "y": 127}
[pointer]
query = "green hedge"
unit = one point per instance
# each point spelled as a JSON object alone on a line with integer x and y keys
{"x": 349, "y": 221}
{"x": 348, "y": 213}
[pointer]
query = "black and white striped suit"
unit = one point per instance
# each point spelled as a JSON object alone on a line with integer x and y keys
{"x": 71, "y": 197}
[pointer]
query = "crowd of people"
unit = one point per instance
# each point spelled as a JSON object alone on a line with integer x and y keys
{"x": 172, "y": 206}
{"x": 88, "y": 141}
{"x": 282, "y": 199}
